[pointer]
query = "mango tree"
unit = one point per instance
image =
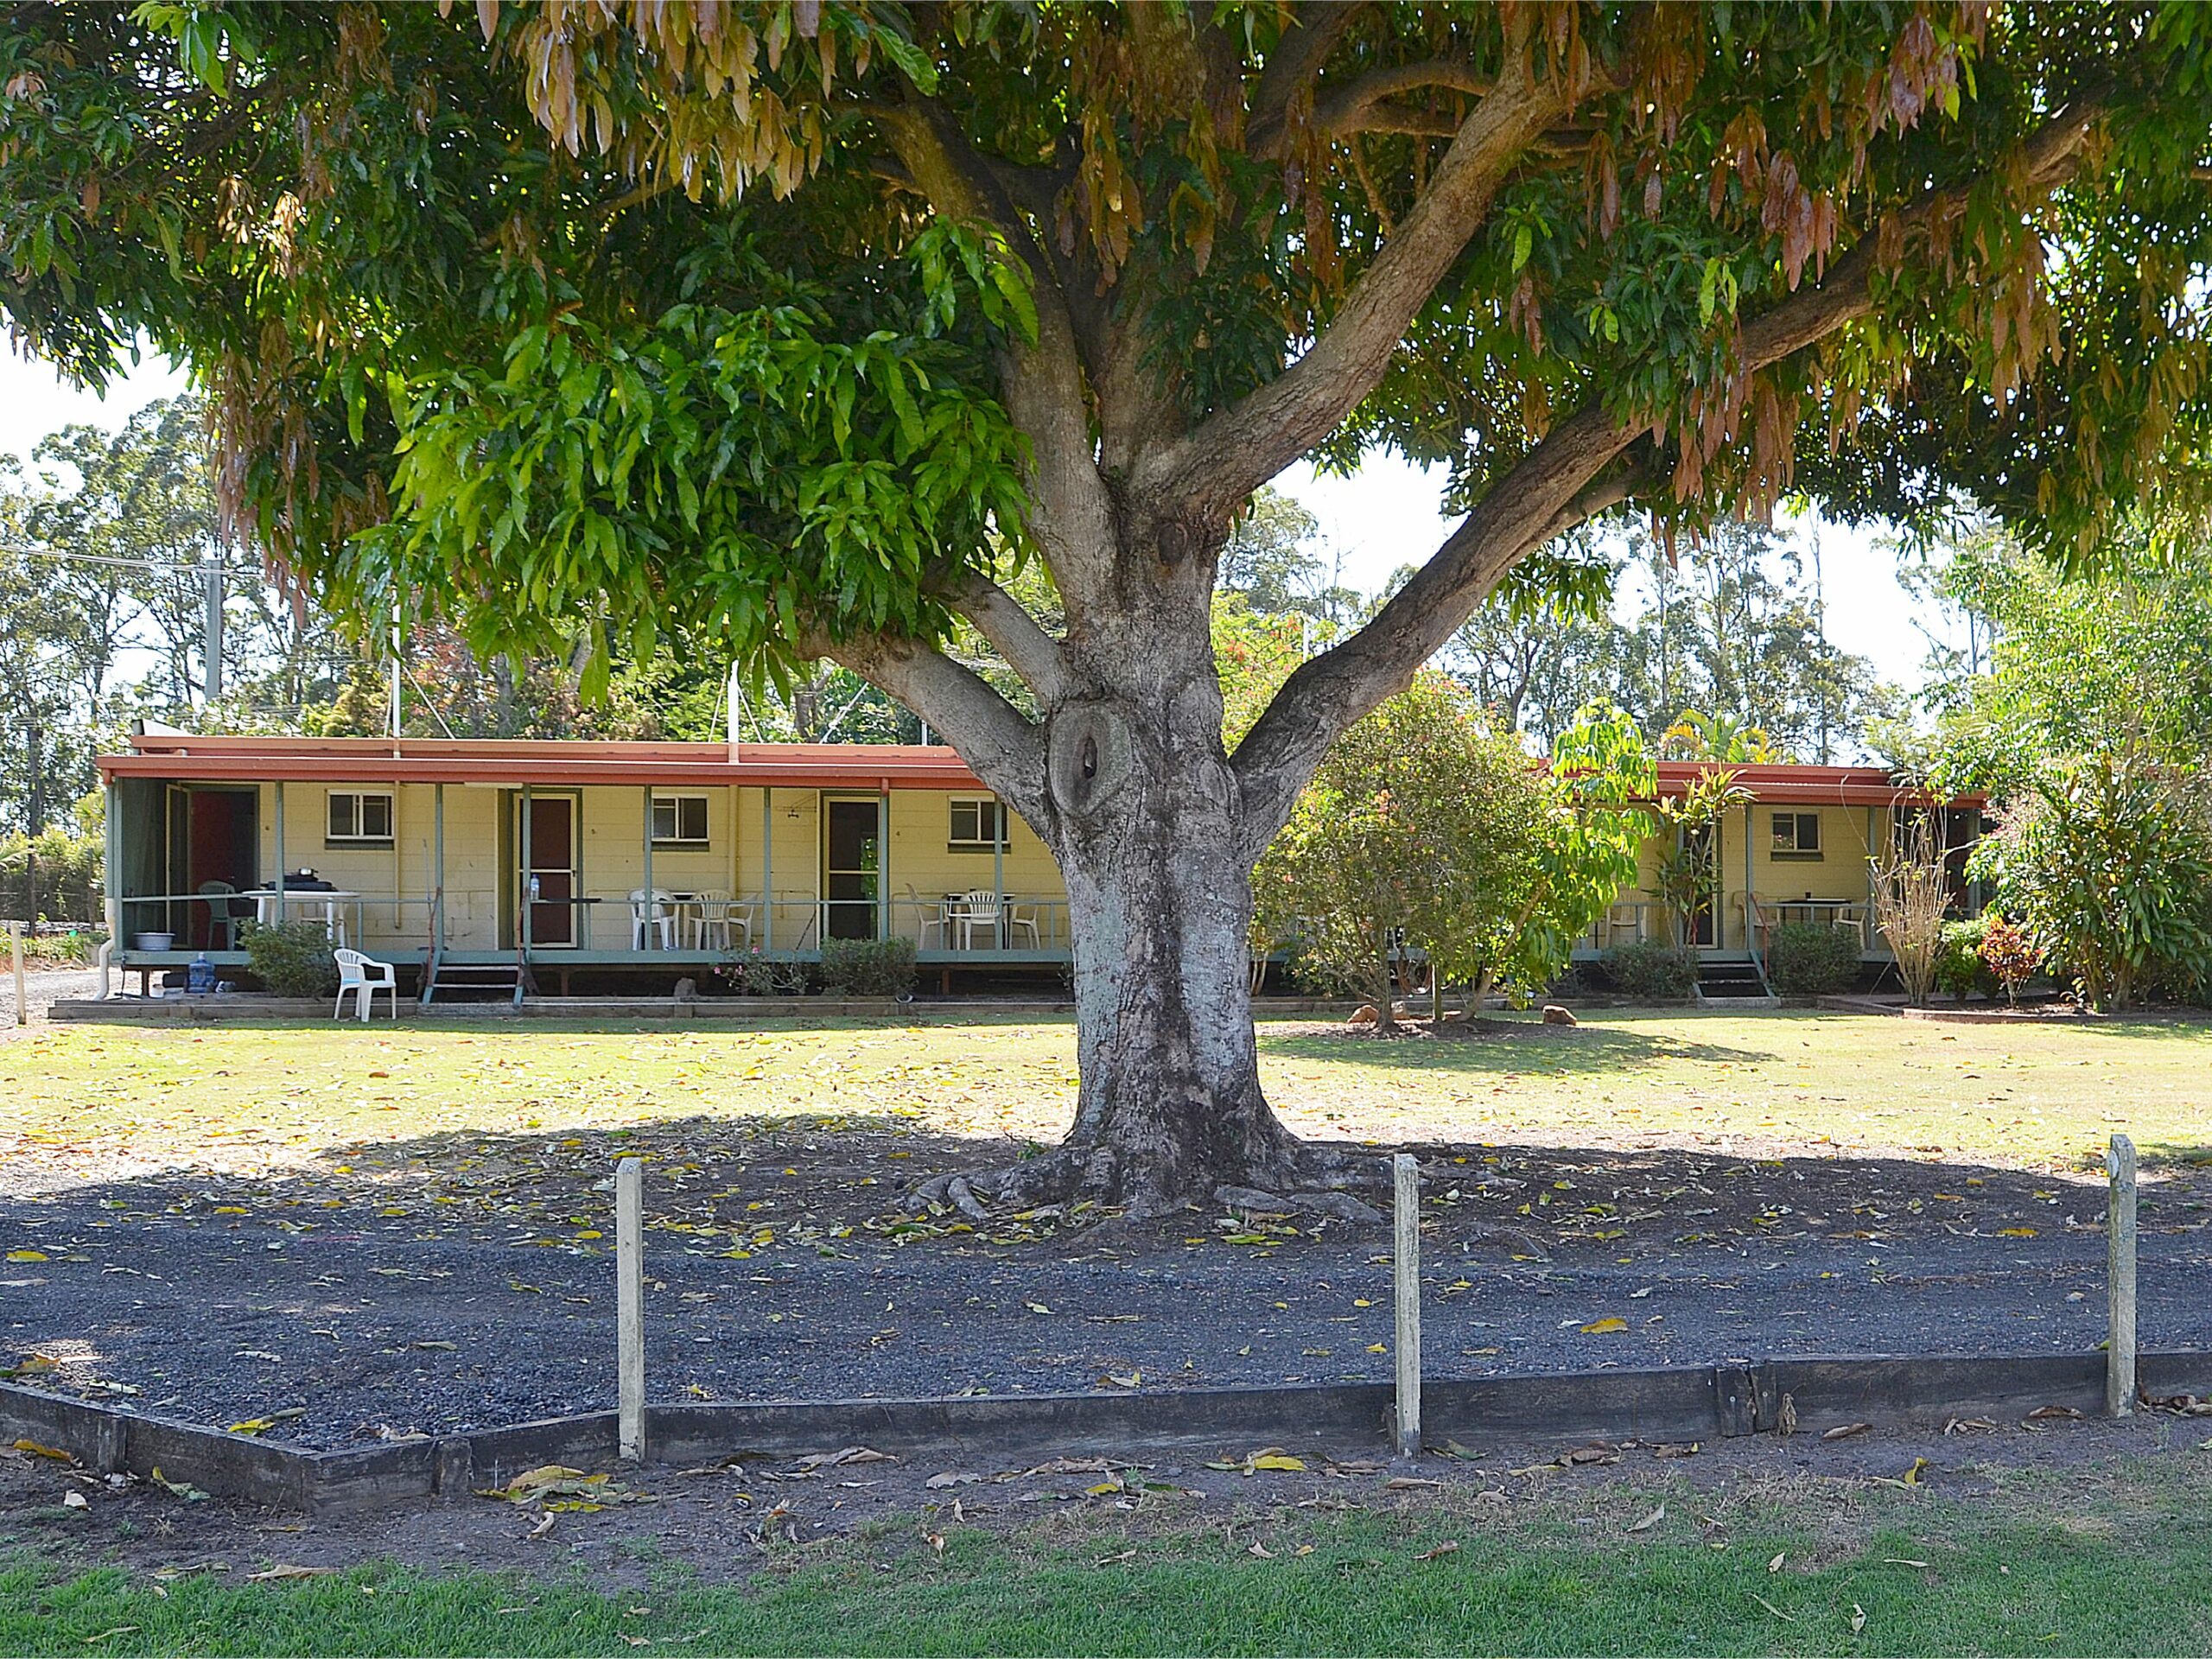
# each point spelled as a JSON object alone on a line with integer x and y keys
{"x": 802, "y": 326}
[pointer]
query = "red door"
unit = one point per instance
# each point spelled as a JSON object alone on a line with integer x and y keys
{"x": 549, "y": 877}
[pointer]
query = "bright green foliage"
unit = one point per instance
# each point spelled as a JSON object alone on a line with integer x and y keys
{"x": 2106, "y": 862}
{"x": 1427, "y": 827}
{"x": 1688, "y": 879}
{"x": 1960, "y": 968}
{"x": 2090, "y": 735}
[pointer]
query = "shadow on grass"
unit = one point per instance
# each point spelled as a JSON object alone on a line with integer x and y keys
{"x": 1499, "y": 1048}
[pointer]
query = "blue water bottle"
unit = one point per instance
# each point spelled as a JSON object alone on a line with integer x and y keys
{"x": 200, "y": 976}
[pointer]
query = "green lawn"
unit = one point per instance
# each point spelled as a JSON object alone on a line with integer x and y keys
{"x": 2080, "y": 1561}
{"x": 262, "y": 1100}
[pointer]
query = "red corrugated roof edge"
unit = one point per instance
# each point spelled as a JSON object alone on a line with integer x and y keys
{"x": 514, "y": 762}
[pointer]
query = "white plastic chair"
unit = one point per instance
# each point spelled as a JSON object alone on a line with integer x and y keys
{"x": 927, "y": 916}
{"x": 979, "y": 908}
{"x": 362, "y": 977}
{"x": 720, "y": 920}
{"x": 1022, "y": 918}
{"x": 651, "y": 910}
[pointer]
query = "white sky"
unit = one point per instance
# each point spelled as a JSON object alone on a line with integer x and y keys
{"x": 1388, "y": 515}
{"x": 1384, "y": 516}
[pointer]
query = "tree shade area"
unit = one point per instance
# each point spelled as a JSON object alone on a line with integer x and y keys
{"x": 815, "y": 330}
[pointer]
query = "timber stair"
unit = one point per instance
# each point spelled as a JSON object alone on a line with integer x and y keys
{"x": 1735, "y": 981}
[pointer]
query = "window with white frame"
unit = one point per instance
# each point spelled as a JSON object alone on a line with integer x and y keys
{"x": 679, "y": 820}
{"x": 359, "y": 816}
{"x": 1797, "y": 835}
{"x": 977, "y": 824}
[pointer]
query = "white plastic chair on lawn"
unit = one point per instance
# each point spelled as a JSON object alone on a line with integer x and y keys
{"x": 361, "y": 977}
{"x": 651, "y": 910}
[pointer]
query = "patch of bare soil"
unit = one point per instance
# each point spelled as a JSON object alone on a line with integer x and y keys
{"x": 730, "y": 1522}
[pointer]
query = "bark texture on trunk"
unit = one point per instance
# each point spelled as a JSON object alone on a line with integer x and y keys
{"x": 1149, "y": 831}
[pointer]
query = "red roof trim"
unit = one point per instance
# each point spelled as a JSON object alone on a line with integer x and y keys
{"x": 513, "y": 763}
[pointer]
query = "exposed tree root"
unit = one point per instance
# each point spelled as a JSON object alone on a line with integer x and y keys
{"x": 1311, "y": 1180}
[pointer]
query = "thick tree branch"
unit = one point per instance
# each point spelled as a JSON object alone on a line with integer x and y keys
{"x": 1291, "y": 70}
{"x": 1329, "y": 692}
{"x": 1358, "y": 105}
{"x": 996, "y": 740}
{"x": 1016, "y": 635}
{"x": 1210, "y": 471}
{"x": 1567, "y": 478}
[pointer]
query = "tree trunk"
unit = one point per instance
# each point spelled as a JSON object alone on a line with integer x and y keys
{"x": 1146, "y": 827}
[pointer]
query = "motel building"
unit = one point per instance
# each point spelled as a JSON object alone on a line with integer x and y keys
{"x": 531, "y": 868}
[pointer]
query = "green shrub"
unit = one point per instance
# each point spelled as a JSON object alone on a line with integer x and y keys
{"x": 1960, "y": 968}
{"x": 868, "y": 967}
{"x": 291, "y": 959}
{"x": 1811, "y": 959}
{"x": 1647, "y": 970}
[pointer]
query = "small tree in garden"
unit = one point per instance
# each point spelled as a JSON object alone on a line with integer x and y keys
{"x": 1418, "y": 818}
{"x": 1911, "y": 892}
{"x": 1585, "y": 853}
{"x": 2010, "y": 955}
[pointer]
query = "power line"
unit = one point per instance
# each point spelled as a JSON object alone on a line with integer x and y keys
{"x": 230, "y": 573}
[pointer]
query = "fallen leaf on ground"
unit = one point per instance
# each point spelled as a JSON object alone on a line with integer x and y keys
{"x": 1779, "y": 1556}
{"x": 1844, "y": 1431}
{"x": 544, "y": 1525}
{"x": 2046, "y": 1414}
{"x": 843, "y": 1455}
{"x": 1788, "y": 1618}
{"x": 75, "y": 1501}
{"x": 183, "y": 1488}
{"x": 1649, "y": 1520}
{"x": 1970, "y": 1426}
{"x": 950, "y": 1478}
{"x": 287, "y": 1570}
{"x": 1449, "y": 1546}
{"x": 1408, "y": 1484}
{"x": 120, "y": 1630}
{"x": 1857, "y": 1618}
{"x": 37, "y": 1449}
{"x": 1605, "y": 1326}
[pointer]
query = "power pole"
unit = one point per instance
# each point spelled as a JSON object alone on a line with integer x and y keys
{"x": 212, "y": 632}
{"x": 397, "y": 665}
{"x": 1820, "y": 626}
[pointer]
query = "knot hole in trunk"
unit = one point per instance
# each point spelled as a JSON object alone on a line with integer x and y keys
{"x": 1088, "y": 754}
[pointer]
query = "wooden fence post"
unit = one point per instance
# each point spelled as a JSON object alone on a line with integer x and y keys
{"x": 630, "y": 1304}
{"x": 16, "y": 948}
{"x": 2119, "y": 1279}
{"x": 1406, "y": 1273}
